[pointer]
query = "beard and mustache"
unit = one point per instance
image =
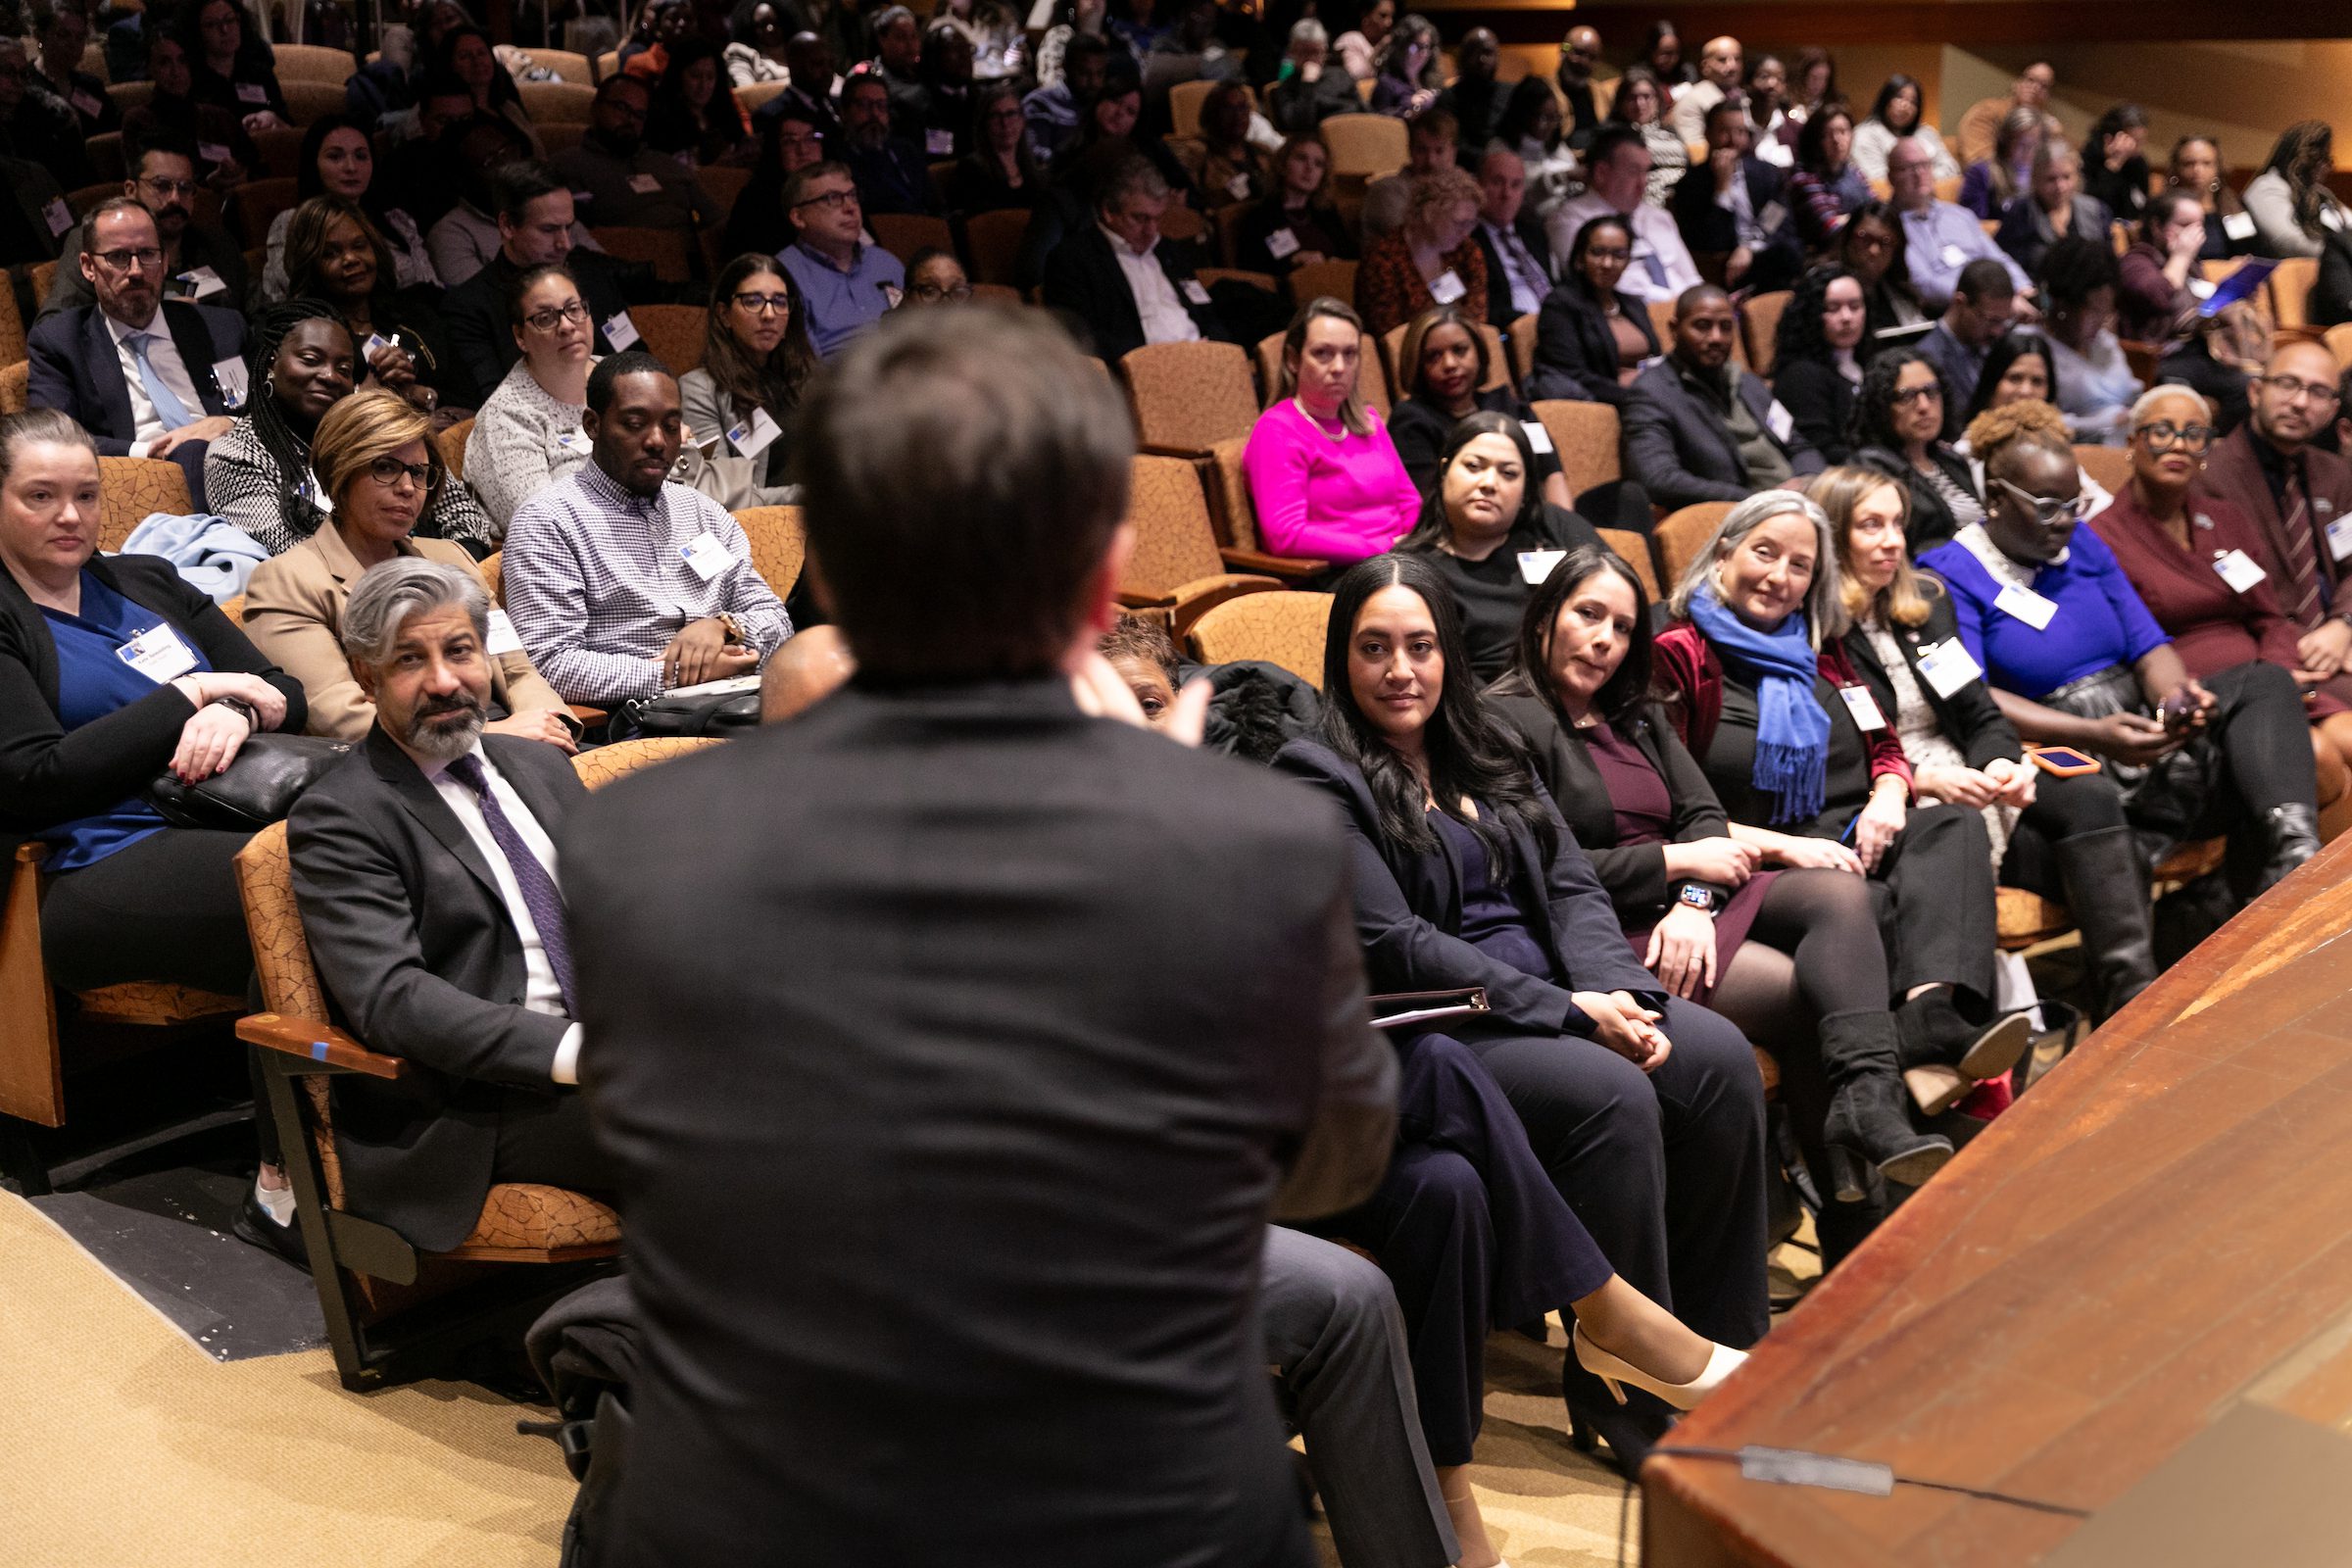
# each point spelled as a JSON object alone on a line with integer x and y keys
{"x": 445, "y": 729}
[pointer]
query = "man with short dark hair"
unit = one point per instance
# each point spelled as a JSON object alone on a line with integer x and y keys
{"x": 846, "y": 283}
{"x": 1432, "y": 139}
{"x": 898, "y": 64}
{"x": 1983, "y": 304}
{"x": 810, "y": 61}
{"x": 536, "y": 225}
{"x": 622, "y": 584}
{"x": 1122, "y": 280}
{"x": 880, "y": 977}
{"x": 1940, "y": 238}
{"x": 1618, "y": 166}
{"x": 1475, "y": 99}
{"x": 1053, "y": 111}
{"x": 892, "y": 175}
{"x": 202, "y": 261}
{"x": 627, "y": 184}
{"x": 1519, "y": 272}
{"x": 1697, "y": 427}
{"x": 1736, "y": 205}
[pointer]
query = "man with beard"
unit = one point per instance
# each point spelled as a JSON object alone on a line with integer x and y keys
{"x": 890, "y": 174}
{"x": 201, "y": 261}
{"x": 425, "y": 872}
{"x": 622, "y": 586}
{"x": 625, "y": 182}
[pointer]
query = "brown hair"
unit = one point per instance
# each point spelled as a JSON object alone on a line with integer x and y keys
{"x": 2029, "y": 420}
{"x": 1838, "y": 492}
{"x": 1294, "y": 344}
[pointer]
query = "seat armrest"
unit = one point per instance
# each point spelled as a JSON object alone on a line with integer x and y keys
{"x": 316, "y": 1042}
{"x": 1137, "y": 598}
{"x": 1258, "y": 562}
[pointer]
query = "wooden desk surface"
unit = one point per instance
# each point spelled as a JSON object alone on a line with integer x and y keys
{"x": 2162, "y": 1226}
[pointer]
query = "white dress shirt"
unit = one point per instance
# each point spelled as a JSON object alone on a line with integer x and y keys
{"x": 148, "y": 426}
{"x": 1524, "y": 273}
{"x": 1663, "y": 266}
{"x": 540, "y": 992}
{"x": 1164, "y": 318}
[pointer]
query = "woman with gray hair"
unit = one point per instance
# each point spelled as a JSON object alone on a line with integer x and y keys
{"x": 1756, "y": 679}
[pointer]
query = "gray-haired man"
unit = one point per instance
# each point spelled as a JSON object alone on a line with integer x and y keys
{"x": 425, "y": 872}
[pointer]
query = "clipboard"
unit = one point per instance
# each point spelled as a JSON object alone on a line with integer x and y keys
{"x": 1432, "y": 1006}
{"x": 2250, "y": 275}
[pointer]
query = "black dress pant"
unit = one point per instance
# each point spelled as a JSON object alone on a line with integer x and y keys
{"x": 163, "y": 909}
{"x": 1935, "y": 901}
{"x": 545, "y": 1138}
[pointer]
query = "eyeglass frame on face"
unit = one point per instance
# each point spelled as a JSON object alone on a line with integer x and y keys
{"x": 1908, "y": 396}
{"x": 2067, "y": 511}
{"x": 2163, "y": 435}
{"x": 831, "y": 199}
{"x": 388, "y": 472}
{"x": 128, "y": 258}
{"x": 932, "y": 292}
{"x": 761, "y": 303}
{"x": 547, "y": 318}
{"x": 168, "y": 187}
{"x": 2291, "y": 387}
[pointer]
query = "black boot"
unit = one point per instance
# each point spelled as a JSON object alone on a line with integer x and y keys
{"x": 1943, "y": 1054}
{"x": 2291, "y": 835}
{"x": 2107, "y": 888}
{"x": 1867, "y": 1123}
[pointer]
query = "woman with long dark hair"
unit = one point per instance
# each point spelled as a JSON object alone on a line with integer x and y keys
{"x": 1872, "y": 247}
{"x": 1898, "y": 429}
{"x": 1001, "y": 171}
{"x": 693, "y": 112}
{"x": 464, "y": 53}
{"x": 2293, "y": 208}
{"x": 2018, "y": 366}
{"x": 336, "y": 254}
{"x": 1410, "y": 68}
{"x": 1591, "y": 337}
{"x": 1643, "y": 1108}
{"x": 1533, "y": 126}
{"x": 233, "y": 69}
{"x": 757, "y": 360}
{"x": 1444, "y": 361}
{"x": 1893, "y": 117}
{"x": 2116, "y": 171}
{"x": 338, "y": 159}
{"x": 1816, "y": 357}
{"x": 2195, "y": 166}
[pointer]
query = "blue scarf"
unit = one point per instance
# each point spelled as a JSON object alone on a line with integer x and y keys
{"x": 1793, "y": 732}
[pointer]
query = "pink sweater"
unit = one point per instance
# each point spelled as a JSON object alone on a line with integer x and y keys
{"x": 1344, "y": 501}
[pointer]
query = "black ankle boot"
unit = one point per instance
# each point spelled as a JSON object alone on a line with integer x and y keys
{"x": 2107, "y": 889}
{"x": 1868, "y": 1122}
{"x": 1944, "y": 1054}
{"x": 2291, "y": 835}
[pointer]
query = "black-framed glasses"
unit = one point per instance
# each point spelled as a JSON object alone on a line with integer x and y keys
{"x": 932, "y": 293}
{"x": 387, "y": 471}
{"x": 1607, "y": 252}
{"x": 168, "y": 187}
{"x": 2292, "y": 387}
{"x": 123, "y": 260}
{"x": 2047, "y": 512}
{"x": 545, "y": 318}
{"x": 1912, "y": 396}
{"x": 832, "y": 200}
{"x": 764, "y": 304}
{"x": 2163, "y": 435}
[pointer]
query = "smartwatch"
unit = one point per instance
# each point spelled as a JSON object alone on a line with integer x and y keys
{"x": 1693, "y": 896}
{"x": 243, "y": 709}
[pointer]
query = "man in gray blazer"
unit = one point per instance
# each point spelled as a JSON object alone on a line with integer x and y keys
{"x": 426, "y": 874}
{"x": 954, "y": 1045}
{"x": 1697, "y": 427}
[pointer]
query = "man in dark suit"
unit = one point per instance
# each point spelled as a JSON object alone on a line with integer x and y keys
{"x": 534, "y": 229}
{"x": 892, "y": 174}
{"x": 1697, "y": 427}
{"x": 144, "y": 375}
{"x": 1122, "y": 281}
{"x": 1735, "y": 206}
{"x": 425, "y": 875}
{"x": 946, "y": 1158}
{"x": 1518, "y": 253}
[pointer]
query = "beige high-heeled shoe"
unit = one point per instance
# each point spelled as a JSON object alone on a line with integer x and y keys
{"x": 1614, "y": 1370}
{"x": 1938, "y": 1088}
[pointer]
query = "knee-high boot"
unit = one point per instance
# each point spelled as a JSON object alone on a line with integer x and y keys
{"x": 2107, "y": 888}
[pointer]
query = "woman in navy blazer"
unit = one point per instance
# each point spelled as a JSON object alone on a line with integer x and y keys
{"x": 1647, "y": 1111}
{"x": 1589, "y": 335}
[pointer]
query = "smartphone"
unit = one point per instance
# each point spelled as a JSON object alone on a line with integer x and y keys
{"x": 2179, "y": 712}
{"x": 2062, "y": 761}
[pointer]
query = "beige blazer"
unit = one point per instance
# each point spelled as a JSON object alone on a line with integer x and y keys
{"x": 294, "y": 612}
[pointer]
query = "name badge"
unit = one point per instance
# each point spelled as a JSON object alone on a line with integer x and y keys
{"x": 230, "y": 374}
{"x": 503, "y": 639}
{"x": 253, "y": 92}
{"x": 1780, "y": 422}
{"x": 58, "y": 216}
{"x": 620, "y": 332}
{"x": 2239, "y": 571}
{"x": 1196, "y": 291}
{"x": 2339, "y": 538}
{"x": 644, "y": 185}
{"x": 1446, "y": 287}
{"x": 2025, "y": 604}
{"x": 1535, "y": 565}
{"x": 1948, "y": 667}
{"x": 752, "y": 436}
{"x": 706, "y": 555}
{"x": 1538, "y": 439}
{"x": 376, "y": 340}
{"x": 1282, "y": 244}
{"x": 1954, "y": 256}
{"x": 158, "y": 654}
{"x": 2200, "y": 289}
{"x": 1238, "y": 188}
{"x": 212, "y": 152}
{"x": 1864, "y": 707}
{"x": 316, "y": 497}
{"x": 576, "y": 441}
{"x": 1771, "y": 216}
{"x": 202, "y": 282}
{"x": 891, "y": 295}
{"x": 581, "y": 198}
{"x": 938, "y": 143}
{"x": 87, "y": 103}
{"x": 2238, "y": 225}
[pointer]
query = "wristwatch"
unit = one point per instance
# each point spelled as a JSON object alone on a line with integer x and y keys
{"x": 244, "y": 709}
{"x": 1693, "y": 896}
{"x": 735, "y": 631}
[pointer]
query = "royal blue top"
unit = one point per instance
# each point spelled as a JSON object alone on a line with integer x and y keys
{"x": 2100, "y": 619}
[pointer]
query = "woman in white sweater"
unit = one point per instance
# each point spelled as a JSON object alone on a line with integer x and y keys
{"x": 527, "y": 435}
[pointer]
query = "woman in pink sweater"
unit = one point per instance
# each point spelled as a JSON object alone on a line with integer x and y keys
{"x": 1324, "y": 475}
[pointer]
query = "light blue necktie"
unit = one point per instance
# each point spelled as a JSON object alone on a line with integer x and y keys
{"x": 169, "y": 408}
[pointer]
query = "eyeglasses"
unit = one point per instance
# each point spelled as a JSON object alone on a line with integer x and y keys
{"x": 1911, "y": 396}
{"x": 2050, "y": 514}
{"x": 831, "y": 199}
{"x": 1865, "y": 240}
{"x": 124, "y": 261}
{"x": 168, "y": 187}
{"x": 2164, "y": 435}
{"x": 764, "y": 304}
{"x": 933, "y": 293}
{"x": 806, "y": 138}
{"x": 387, "y": 471}
{"x": 546, "y": 319}
{"x": 2290, "y": 388}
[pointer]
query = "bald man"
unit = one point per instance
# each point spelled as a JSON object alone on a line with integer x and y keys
{"x": 1697, "y": 427}
{"x": 1720, "y": 67}
{"x": 1587, "y": 96}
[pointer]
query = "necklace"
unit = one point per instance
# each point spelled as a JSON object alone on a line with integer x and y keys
{"x": 1308, "y": 413}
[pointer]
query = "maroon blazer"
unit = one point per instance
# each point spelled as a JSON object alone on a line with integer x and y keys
{"x": 2233, "y": 473}
{"x": 1689, "y": 679}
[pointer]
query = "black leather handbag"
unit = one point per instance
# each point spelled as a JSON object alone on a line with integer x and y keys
{"x": 715, "y": 707}
{"x": 258, "y": 786}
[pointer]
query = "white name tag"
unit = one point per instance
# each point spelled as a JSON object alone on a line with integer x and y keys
{"x": 576, "y": 441}
{"x": 1864, "y": 707}
{"x": 1948, "y": 667}
{"x": 1282, "y": 243}
{"x": 644, "y": 185}
{"x": 1238, "y": 188}
{"x": 1771, "y": 216}
{"x": 2239, "y": 571}
{"x": 1535, "y": 565}
{"x": 503, "y": 639}
{"x": 202, "y": 282}
{"x": 87, "y": 103}
{"x": 316, "y": 496}
{"x": 1196, "y": 291}
{"x": 2238, "y": 225}
{"x": 376, "y": 340}
{"x": 1446, "y": 287}
{"x": 2027, "y": 606}
{"x": 1780, "y": 422}
{"x": 891, "y": 295}
{"x": 707, "y": 556}
{"x": 2200, "y": 289}
{"x": 158, "y": 654}
{"x": 60, "y": 216}
{"x": 230, "y": 373}
{"x": 938, "y": 143}
{"x": 2339, "y": 538}
{"x": 212, "y": 152}
{"x": 620, "y": 332}
{"x": 2333, "y": 218}
{"x": 1538, "y": 438}
{"x": 752, "y": 437}
{"x": 253, "y": 92}
{"x": 1954, "y": 256}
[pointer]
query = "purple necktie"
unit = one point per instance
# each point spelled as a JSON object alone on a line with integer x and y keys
{"x": 539, "y": 891}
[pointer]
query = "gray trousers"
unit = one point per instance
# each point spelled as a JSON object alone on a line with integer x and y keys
{"x": 1336, "y": 1342}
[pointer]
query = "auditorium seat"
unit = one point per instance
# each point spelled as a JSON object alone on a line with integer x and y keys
{"x": 16, "y": 384}
{"x": 723, "y": 184}
{"x": 1586, "y": 435}
{"x": 673, "y": 334}
{"x": 1364, "y": 146}
{"x": 1184, "y": 106}
{"x": 1521, "y": 346}
{"x": 904, "y": 234}
{"x": 1236, "y": 519}
{"x": 669, "y": 251}
{"x": 106, "y": 157}
{"x": 1760, "y": 326}
{"x": 995, "y": 241}
{"x": 1322, "y": 280}
{"x": 1285, "y": 629}
{"x": 2109, "y": 466}
{"x": 130, "y": 488}
{"x": 1211, "y": 276}
{"x": 258, "y": 204}
{"x": 1176, "y": 571}
{"x": 1634, "y": 549}
{"x": 574, "y": 68}
{"x": 1401, "y": 377}
{"x": 555, "y": 103}
{"x": 1186, "y": 397}
{"x": 2338, "y": 341}
{"x": 779, "y": 545}
{"x": 1683, "y": 534}
{"x": 453, "y": 446}
{"x": 2290, "y": 289}
{"x": 1371, "y": 378}
{"x": 80, "y": 199}
{"x": 308, "y": 62}
{"x": 757, "y": 93}
{"x": 492, "y": 567}
{"x": 308, "y": 101}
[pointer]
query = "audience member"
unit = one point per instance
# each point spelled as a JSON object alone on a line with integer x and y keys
{"x": 969, "y": 477}
{"x": 1532, "y": 128}
{"x": 935, "y": 278}
{"x": 746, "y": 394}
{"x": 1721, "y": 65}
{"x": 999, "y": 52}
{"x": 756, "y": 49}
{"x": 1431, "y": 144}
{"x": 896, "y": 63}
{"x": 2054, "y": 208}
{"x": 38, "y": 126}
{"x": 2017, "y": 369}
{"x": 1325, "y": 479}
{"x": 1071, "y": 20}
{"x": 1445, "y": 364}
{"x": 1586, "y": 98}
{"x": 1121, "y": 281}
{"x": 2195, "y": 166}
{"x": 694, "y": 113}
{"x": 845, "y": 282}
{"x": 2095, "y": 384}
{"x": 1752, "y": 670}
{"x": 37, "y": 217}
{"x": 531, "y": 431}
{"x": 1431, "y": 258}
{"x": 1620, "y": 171}
{"x": 1737, "y": 206}
{"x": 2293, "y": 208}
{"x": 1593, "y": 338}
{"x": 1991, "y": 183}
{"x": 1873, "y": 249}
{"x": 1697, "y": 427}
{"x": 1983, "y": 121}
{"x": 466, "y": 54}
{"x": 1984, "y": 304}
{"x": 1407, "y": 71}
{"x": 1640, "y": 108}
{"x": 1222, "y": 165}
{"x": 1312, "y": 89}
{"x": 1941, "y": 240}
{"x": 201, "y": 261}
{"x": 1898, "y": 424}
{"x": 1896, "y": 117}
{"x": 891, "y": 173}
{"x": 1359, "y": 50}
{"x": 233, "y": 68}
{"x": 2153, "y": 298}
{"x": 1475, "y": 98}
{"x": 1771, "y": 133}
{"x": 628, "y": 183}
{"x": 1816, "y": 358}
{"x": 1296, "y": 219}
{"x": 426, "y": 870}
{"x": 1511, "y": 240}
{"x": 2117, "y": 174}
{"x": 63, "y": 34}
{"x": 623, "y": 585}
{"x": 940, "y": 120}
{"x": 1662, "y": 58}
{"x": 476, "y": 154}
{"x": 1054, "y": 110}
{"x": 225, "y": 154}
{"x": 337, "y": 159}
{"x": 2064, "y": 838}
{"x": 336, "y": 255}
{"x": 537, "y": 228}
{"x": 813, "y": 94}
{"x": 1811, "y": 85}
{"x": 1825, "y": 189}
{"x": 1000, "y": 170}
{"x": 377, "y": 477}
{"x": 788, "y": 144}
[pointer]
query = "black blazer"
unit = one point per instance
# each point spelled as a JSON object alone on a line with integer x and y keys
{"x": 2025, "y": 232}
{"x": 421, "y": 959}
{"x": 482, "y": 334}
{"x": 75, "y": 370}
{"x": 1419, "y": 430}
{"x": 1634, "y": 874}
{"x": 1820, "y": 401}
{"x": 1408, "y": 905}
{"x": 1970, "y": 718}
{"x": 1708, "y": 227}
{"x": 1083, "y": 278}
{"x": 1682, "y": 451}
{"x": 1931, "y": 521}
{"x": 996, "y": 1137}
{"x": 49, "y": 776}
{"x": 1576, "y": 352}
{"x": 1500, "y": 313}
{"x": 1261, "y": 218}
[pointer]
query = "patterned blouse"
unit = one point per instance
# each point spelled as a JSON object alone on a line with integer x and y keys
{"x": 1391, "y": 291}
{"x": 523, "y": 441}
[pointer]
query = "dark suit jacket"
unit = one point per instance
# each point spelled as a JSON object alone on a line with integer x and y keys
{"x": 481, "y": 333}
{"x": 947, "y": 1151}
{"x": 421, "y": 960}
{"x": 1083, "y": 278}
{"x": 1682, "y": 451}
{"x": 1501, "y": 312}
{"x": 1707, "y": 226}
{"x": 75, "y": 370}
{"x": 1408, "y": 910}
{"x": 1970, "y": 718}
{"x": 1576, "y": 352}
{"x": 1820, "y": 401}
{"x": 2233, "y": 473}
